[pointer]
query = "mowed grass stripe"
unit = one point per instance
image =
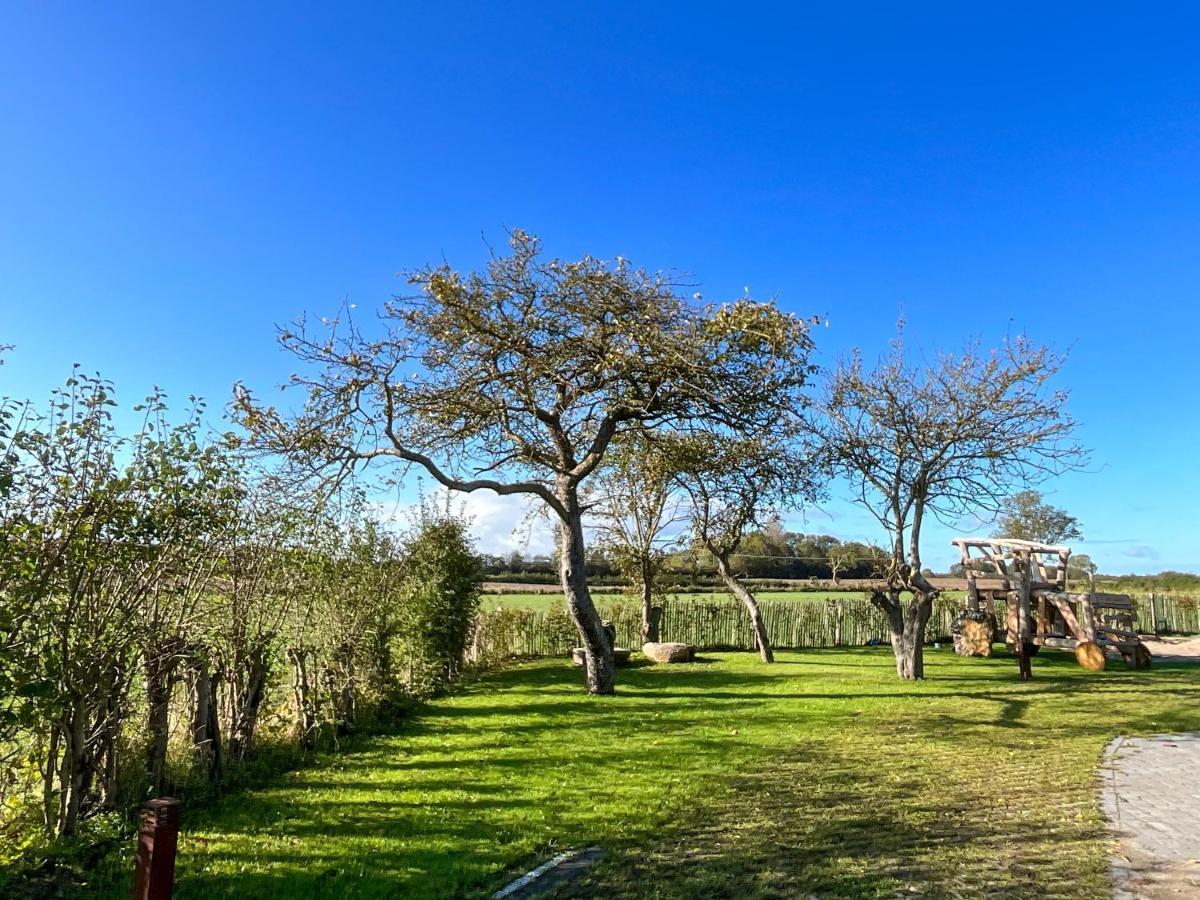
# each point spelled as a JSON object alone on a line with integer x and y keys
{"x": 820, "y": 774}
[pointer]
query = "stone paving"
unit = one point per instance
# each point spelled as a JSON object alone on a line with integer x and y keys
{"x": 1173, "y": 649}
{"x": 1151, "y": 797}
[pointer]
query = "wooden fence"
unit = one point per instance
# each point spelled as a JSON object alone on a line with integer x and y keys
{"x": 1168, "y": 614}
{"x": 722, "y": 624}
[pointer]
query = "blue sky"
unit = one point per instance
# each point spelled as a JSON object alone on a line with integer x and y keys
{"x": 174, "y": 179}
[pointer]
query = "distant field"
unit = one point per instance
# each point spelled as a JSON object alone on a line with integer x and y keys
{"x": 543, "y": 602}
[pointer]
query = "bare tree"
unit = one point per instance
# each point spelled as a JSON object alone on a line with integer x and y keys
{"x": 841, "y": 557}
{"x": 638, "y": 512}
{"x": 734, "y": 485}
{"x": 947, "y": 437}
{"x": 517, "y": 380}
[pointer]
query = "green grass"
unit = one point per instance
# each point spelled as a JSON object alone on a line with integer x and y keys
{"x": 822, "y": 774}
{"x": 543, "y": 602}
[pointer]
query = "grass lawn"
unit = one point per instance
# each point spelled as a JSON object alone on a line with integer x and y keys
{"x": 541, "y": 602}
{"x": 821, "y": 775}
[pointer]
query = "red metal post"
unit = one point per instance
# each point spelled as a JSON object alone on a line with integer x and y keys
{"x": 154, "y": 866}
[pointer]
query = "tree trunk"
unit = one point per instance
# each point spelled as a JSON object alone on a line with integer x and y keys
{"x": 907, "y": 632}
{"x": 740, "y": 591}
{"x": 306, "y": 712}
{"x": 206, "y": 724}
{"x": 649, "y": 621}
{"x": 106, "y": 744}
{"x": 73, "y": 773}
{"x": 254, "y": 687}
{"x": 598, "y": 649}
{"x": 50, "y": 814}
{"x": 342, "y": 684}
{"x": 159, "y": 680}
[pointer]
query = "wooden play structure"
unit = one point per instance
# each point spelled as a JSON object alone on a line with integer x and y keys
{"x": 1030, "y": 579}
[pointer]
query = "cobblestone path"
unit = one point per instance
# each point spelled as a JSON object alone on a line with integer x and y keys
{"x": 1151, "y": 797}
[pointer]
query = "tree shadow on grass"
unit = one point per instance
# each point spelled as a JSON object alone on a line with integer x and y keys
{"x": 853, "y": 785}
{"x": 825, "y": 822}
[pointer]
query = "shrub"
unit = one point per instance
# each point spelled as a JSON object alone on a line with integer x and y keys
{"x": 440, "y": 599}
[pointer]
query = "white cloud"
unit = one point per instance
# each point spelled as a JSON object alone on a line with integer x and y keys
{"x": 499, "y": 524}
{"x": 502, "y": 524}
{"x": 1142, "y": 551}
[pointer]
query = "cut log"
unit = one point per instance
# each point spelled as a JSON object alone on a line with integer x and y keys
{"x": 669, "y": 652}
{"x": 1090, "y": 656}
{"x": 973, "y": 631}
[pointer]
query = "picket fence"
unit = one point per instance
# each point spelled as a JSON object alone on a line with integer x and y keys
{"x": 722, "y": 624}
{"x": 1168, "y": 614}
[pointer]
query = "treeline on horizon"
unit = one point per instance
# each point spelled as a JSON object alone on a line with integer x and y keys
{"x": 769, "y": 552}
{"x": 1163, "y": 581}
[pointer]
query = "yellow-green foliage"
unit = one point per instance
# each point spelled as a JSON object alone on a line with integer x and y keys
{"x": 440, "y": 599}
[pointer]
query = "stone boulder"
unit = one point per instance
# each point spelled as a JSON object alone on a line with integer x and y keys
{"x": 668, "y": 652}
{"x": 620, "y": 656}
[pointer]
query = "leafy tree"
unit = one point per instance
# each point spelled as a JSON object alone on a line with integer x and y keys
{"x": 1081, "y": 566}
{"x": 863, "y": 560}
{"x": 316, "y": 616}
{"x": 364, "y": 621}
{"x": 1028, "y": 518}
{"x": 635, "y": 506}
{"x": 810, "y": 553}
{"x": 187, "y": 513}
{"x": 16, "y": 604}
{"x": 943, "y": 438}
{"x": 440, "y": 590}
{"x": 518, "y": 379}
{"x": 764, "y": 553}
{"x": 130, "y": 563}
{"x": 265, "y": 575}
{"x": 102, "y": 561}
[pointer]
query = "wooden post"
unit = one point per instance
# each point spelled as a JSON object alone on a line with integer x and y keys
{"x": 1088, "y": 608}
{"x": 154, "y": 866}
{"x": 1074, "y": 628}
{"x": 1025, "y": 639}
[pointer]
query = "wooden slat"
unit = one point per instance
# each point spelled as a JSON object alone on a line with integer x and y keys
{"x": 1102, "y": 602}
{"x": 1120, "y": 632}
{"x": 1060, "y": 643}
{"x": 1072, "y": 623}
